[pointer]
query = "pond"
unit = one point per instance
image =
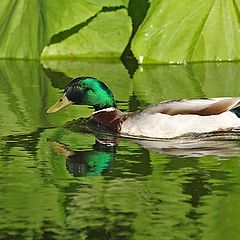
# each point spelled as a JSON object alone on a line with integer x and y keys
{"x": 57, "y": 183}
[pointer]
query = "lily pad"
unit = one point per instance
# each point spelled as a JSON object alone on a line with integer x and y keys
{"x": 97, "y": 39}
{"x": 179, "y": 31}
{"x": 27, "y": 26}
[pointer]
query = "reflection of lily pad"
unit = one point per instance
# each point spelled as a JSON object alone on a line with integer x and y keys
{"x": 157, "y": 83}
{"x": 218, "y": 79}
{"x": 22, "y": 86}
{"x": 112, "y": 73}
{"x": 191, "y": 81}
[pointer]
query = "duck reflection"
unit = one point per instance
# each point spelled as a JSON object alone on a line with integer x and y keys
{"x": 220, "y": 143}
{"x": 101, "y": 157}
{"x": 86, "y": 163}
{"x": 193, "y": 147}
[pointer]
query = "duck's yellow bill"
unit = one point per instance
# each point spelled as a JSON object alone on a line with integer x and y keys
{"x": 60, "y": 104}
{"x": 61, "y": 149}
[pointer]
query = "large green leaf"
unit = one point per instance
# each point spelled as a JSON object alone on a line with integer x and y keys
{"x": 110, "y": 3}
{"x": 27, "y": 26}
{"x": 97, "y": 39}
{"x": 178, "y": 31}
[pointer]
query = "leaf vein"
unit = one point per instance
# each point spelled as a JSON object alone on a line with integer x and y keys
{"x": 202, "y": 29}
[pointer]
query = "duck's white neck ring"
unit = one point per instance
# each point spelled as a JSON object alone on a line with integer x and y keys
{"x": 105, "y": 110}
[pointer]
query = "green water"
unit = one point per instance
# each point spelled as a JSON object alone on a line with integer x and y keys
{"x": 59, "y": 184}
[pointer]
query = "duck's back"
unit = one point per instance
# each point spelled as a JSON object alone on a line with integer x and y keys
{"x": 175, "y": 118}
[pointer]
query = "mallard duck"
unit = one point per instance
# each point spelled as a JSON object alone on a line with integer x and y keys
{"x": 168, "y": 119}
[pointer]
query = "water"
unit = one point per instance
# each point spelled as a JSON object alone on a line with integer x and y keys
{"x": 59, "y": 184}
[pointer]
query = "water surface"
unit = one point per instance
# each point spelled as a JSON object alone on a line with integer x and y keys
{"x": 56, "y": 183}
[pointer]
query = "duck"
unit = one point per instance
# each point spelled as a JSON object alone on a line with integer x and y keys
{"x": 165, "y": 120}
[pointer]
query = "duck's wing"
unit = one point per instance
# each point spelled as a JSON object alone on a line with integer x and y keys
{"x": 203, "y": 107}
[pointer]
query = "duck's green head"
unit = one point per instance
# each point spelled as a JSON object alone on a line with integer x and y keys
{"x": 85, "y": 91}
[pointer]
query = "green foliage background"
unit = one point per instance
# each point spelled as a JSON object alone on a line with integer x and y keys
{"x": 142, "y": 194}
{"x": 168, "y": 32}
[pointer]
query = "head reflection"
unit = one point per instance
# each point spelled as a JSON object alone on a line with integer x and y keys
{"x": 87, "y": 163}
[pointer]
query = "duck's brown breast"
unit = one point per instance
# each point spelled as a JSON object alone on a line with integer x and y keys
{"x": 110, "y": 119}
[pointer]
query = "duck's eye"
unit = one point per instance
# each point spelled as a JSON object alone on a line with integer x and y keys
{"x": 76, "y": 88}
{"x": 60, "y": 100}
